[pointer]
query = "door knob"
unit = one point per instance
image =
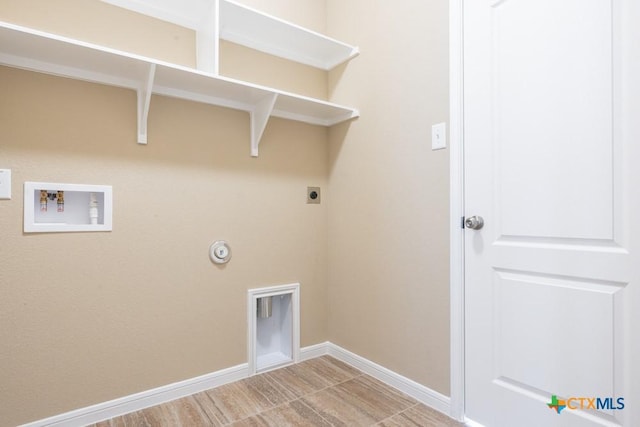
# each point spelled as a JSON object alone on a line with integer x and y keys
{"x": 474, "y": 222}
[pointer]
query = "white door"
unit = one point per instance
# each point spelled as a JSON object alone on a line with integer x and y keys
{"x": 552, "y": 164}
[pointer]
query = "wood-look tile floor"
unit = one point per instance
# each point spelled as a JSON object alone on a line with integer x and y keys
{"x": 317, "y": 392}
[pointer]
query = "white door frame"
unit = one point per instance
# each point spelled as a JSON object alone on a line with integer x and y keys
{"x": 456, "y": 171}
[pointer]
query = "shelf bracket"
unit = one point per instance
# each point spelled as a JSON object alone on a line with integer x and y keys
{"x": 144, "y": 100}
{"x": 259, "y": 118}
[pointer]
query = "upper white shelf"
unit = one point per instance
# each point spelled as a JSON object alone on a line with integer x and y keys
{"x": 38, "y": 51}
{"x": 243, "y": 25}
{"x": 249, "y": 27}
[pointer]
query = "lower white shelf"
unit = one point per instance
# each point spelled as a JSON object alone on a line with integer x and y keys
{"x": 34, "y": 50}
{"x": 54, "y": 207}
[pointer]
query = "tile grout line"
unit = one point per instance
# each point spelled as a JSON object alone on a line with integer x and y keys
{"x": 334, "y": 385}
{"x": 257, "y": 390}
{"x": 279, "y": 406}
{"x": 396, "y": 392}
{"x": 288, "y": 388}
{"x": 327, "y": 388}
{"x": 245, "y": 395}
{"x": 302, "y": 402}
{"x": 360, "y": 374}
{"x": 397, "y": 413}
{"x": 365, "y": 375}
{"x": 268, "y": 379}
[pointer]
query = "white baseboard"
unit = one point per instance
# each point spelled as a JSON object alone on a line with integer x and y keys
{"x": 314, "y": 351}
{"x": 419, "y": 392}
{"x": 135, "y": 402}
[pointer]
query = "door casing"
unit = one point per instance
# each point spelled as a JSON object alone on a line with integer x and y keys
{"x": 456, "y": 171}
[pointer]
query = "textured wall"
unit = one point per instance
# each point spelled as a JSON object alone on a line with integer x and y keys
{"x": 388, "y": 206}
{"x": 97, "y": 22}
{"x": 89, "y": 317}
{"x": 239, "y": 62}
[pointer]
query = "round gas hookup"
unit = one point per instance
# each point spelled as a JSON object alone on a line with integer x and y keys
{"x": 220, "y": 252}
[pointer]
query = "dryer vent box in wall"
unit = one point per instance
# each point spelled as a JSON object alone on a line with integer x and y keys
{"x": 55, "y": 207}
{"x": 274, "y": 327}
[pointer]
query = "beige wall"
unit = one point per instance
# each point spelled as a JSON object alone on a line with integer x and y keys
{"x": 388, "y": 192}
{"x": 89, "y": 317}
{"x": 239, "y": 62}
{"x": 97, "y": 22}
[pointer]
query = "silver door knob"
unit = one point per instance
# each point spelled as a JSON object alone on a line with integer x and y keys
{"x": 474, "y": 222}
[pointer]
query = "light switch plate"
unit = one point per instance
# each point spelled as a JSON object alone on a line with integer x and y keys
{"x": 439, "y": 136}
{"x": 5, "y": 184}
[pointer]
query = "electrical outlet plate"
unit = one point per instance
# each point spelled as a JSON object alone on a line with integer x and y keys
{"x": 439, "y": 136}
{"x": 5, "y": 184}
{"x": 313, "y": 195}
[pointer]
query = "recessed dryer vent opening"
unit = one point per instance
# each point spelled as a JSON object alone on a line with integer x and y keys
{"x": 274, "y": 327}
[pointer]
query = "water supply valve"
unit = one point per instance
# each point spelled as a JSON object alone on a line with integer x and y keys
{"x": 220, "y": 252}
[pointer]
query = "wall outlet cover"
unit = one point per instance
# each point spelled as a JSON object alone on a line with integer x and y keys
{"x": 313, "y": 195}
{"x": 5, "y": 184}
